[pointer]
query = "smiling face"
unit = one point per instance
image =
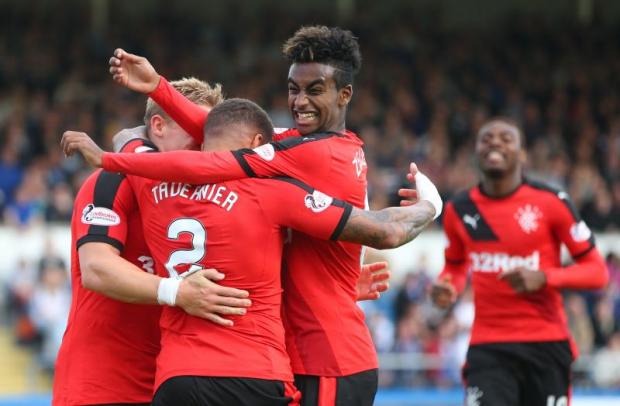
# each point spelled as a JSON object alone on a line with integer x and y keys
{"x": 498, "y": 149}
{"x": 315, "y": 102}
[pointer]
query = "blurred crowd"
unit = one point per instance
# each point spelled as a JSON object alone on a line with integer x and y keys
{"x": 422, "y": 94}
{"x": 404, "y": 321}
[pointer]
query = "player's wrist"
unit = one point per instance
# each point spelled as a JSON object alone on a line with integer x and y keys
{"x": 427, "y": 191}
{"x": 168, "y": 290}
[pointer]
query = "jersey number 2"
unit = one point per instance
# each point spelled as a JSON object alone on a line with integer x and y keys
{"x": 190, "y": 256}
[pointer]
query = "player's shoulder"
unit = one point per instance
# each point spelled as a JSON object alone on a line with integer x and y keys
{"x": 547, "y": 190}
{"x": 103, "y": 186}
{"x": 284, "y": 143}
{"x": 138, "y": 145}
{"x": 461, "y": 199}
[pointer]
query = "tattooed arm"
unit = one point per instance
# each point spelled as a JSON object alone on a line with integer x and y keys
{"x": 390, "y": 227}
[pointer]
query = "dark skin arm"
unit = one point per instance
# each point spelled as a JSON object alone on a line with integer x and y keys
{"x": 388, "y": 228}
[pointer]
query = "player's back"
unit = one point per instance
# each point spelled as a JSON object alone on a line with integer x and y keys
{"x": 235, "y": 227}
{"x": 109, "y": 347}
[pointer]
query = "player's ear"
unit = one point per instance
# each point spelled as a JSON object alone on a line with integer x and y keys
{"x": 157, "y": 124}
{"x": 257, "y": 141}
{"x": 344, "y": 95}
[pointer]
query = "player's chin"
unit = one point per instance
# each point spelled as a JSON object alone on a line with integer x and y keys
{"x": 494, "y": 172}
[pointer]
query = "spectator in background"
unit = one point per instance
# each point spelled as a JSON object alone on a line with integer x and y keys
{"x": 412, "y": 291}
{"x": 579, "y": 323}
{"x": 48, "y": 311}
{"x": 605, "y": 366}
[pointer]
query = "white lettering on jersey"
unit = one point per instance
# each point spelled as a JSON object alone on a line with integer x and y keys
{"x": 267, "y": 152}
{"x": 99, "y": 216}
{"x": 217, "y": 194}
{"x": 360, "y": 162}
{"x": 527, "y": 217}
{"x": 499, "y": 261}
{"x": 317, "y": 201}
{"x": 580, "y": 232}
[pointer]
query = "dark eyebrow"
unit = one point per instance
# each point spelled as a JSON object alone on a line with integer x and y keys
{"x": 320, "y": 81}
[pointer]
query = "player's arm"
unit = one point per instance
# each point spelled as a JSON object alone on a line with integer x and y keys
{"x": 102, "y": 210}
{"x": 106, "y": 272}
{"x": 301, "y": 161}
{"x": 313, "y": 213}
{"x": 453, "y": 277}
{"x": 589, "y": 270}
{"x": 137, "y": 73}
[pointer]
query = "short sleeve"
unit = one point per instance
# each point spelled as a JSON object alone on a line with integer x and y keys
{"x": 102, "y": 209}
{"x": 292, "y": 203}
{"x": 295, "y": 157}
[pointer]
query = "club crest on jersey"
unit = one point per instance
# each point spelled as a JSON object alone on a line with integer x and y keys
{"x": 267, "y": 152}
{"x": 99, "y": 216}
{"x": 580, "y": 232}
{"x": 527, "y": 217}
{"x": 317, "y": 201}
{"x": 359, "y": 162}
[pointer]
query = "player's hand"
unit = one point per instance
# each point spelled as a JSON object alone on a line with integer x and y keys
{"x": 372, "y": 281}
{"x": 410, "y": 196}
{"x": 133, "y": 71}
{"x": 75, "y": 141}
{"x": 443, "y": 293}
{"x": 200, "y": 296}
{"x": 522, "y": 280}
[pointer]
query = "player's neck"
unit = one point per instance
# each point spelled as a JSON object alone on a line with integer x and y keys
{"x": 501, "y": 187}
{"x": 216, "y": 144}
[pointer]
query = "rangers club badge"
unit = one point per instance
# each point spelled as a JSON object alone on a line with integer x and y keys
{"x": 317, "y": 201}
{"x": 527, "y": 217}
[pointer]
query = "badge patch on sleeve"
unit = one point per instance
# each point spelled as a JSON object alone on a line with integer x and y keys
{"x": 580, "y": 232}
{"x": 266, "y": 152}
{"x": 99, "y": 216}
{"x": 317, "y": 201}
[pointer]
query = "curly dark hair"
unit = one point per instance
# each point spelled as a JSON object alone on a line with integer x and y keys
{"x": 328, "y": 45}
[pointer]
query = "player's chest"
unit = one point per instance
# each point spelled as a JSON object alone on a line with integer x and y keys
{"x": 519, "y": 227}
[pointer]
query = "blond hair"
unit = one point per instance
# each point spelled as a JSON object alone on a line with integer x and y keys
{"x": 196, "y": 90}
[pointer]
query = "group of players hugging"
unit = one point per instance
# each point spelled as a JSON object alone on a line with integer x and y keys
{"x": 217, "y": 260}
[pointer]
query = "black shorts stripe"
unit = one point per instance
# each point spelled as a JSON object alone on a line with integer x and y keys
{"x": 106, "y": 188}
{"x": 473, "y": 221}
{"x": 239, "y": 156}
{"x": 100, "y": 238}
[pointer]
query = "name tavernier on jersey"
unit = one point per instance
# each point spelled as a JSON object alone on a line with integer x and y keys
{"x": 213, "y": 193}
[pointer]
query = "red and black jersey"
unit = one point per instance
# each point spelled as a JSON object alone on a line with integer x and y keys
{"x": 235, "y": 227}
{"x": 524, "y": 229}
{"x": 109, "y": 347}
{"x": 326, "y": 332}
